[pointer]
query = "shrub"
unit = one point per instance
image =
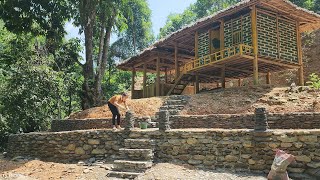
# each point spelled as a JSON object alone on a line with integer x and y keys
{"x": 314, "y": 82}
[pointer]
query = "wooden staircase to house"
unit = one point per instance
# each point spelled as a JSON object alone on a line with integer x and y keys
{"x": 180, "y": 83}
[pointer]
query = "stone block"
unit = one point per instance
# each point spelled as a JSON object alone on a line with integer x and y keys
{"x": 231, "y": 158}
{"x": 285, "y": 138}
{"x": 199, "y": 157}
{"x": 194, "y": 162}
{"x": 93, "y": 141}
{"x": 303, "y": 158}
{"x": 192, "y": 141}
{"x": 286, "y": 145}
{"x": 308, "y": 138}
{"x": 71, "y": 147}
{"x": 80, "y": 151}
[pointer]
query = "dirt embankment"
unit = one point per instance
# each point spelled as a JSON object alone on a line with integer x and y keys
{"x": 141, "y": 107}
{"x": 228, "y": 101}
{"x": 246, "y": 99}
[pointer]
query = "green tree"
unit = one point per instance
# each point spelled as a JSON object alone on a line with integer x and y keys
{"x": 195, "y": 11}
{"x": 98, "y": 18}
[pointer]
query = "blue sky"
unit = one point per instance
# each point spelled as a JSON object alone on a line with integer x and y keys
{"x": 160, "y": 10}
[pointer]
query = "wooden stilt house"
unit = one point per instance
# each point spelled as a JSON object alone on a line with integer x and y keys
{"x": 251, "y": 39}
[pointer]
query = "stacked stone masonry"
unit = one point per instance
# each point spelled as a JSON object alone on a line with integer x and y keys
{"x": 82, "y": 124}
{"x": 240, "y": 150}
{"x": 136, "y": 158}
{"x": 246, "y": 121}
{"x": 226, "y": 121}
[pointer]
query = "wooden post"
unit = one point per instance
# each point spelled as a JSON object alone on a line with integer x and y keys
{"x": 158, "y": 77}
{"x": 196, "y": 45}
{"x": 217, "y": 84}
{"x": 221, "y": 34}
{"x": 223, "y": 76}
{"x": 255, "y": 45}
{"x": 166, "y": 75}
{"x": 268, "y": 78}
{"x": 133, "y": 81}
{"x": 197, "y": 85}
{"x": 299, "y": 48}
{"x": 176, "y": 63}
{"x": 144, "y": 80}
{"x": 239, "y": 82}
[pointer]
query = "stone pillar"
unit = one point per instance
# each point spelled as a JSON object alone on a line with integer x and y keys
{"x": 261, "y": 117}
{"x": 129, "y": 121}
{"x": 164, "y": 122}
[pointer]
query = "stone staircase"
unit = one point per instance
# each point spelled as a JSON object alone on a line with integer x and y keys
{"x": 136, "y": 158}
{"x": 174, "y": 104}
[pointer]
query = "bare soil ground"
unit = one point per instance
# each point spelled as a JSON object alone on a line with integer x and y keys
{"x": 36, "y": 169}
{"x": 245, "y": 99}
{"x": 141, "y": 107}
{"x": 229, "y": 101}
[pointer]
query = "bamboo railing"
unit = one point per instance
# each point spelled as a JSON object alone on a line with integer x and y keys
{"x": 240, "y": 49}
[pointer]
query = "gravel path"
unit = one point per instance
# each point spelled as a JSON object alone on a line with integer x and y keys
{"x": 166, "y": 171}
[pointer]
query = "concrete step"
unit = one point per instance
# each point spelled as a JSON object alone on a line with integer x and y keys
{"x": 136, "y": 154}
{"x": 138, "y": 144}
{"x": 131, "y": 166}
{"x": 127, "y": 175}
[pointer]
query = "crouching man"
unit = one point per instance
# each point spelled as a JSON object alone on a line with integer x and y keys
{"x": 114, "y": 104}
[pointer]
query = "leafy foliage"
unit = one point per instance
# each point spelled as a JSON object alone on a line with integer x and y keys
{"x": 194, "y": 12}
{"x": 314, "y": 81}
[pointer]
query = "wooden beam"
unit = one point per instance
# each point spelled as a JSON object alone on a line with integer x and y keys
{"x": 279, "y": 63}
{"x": 158, "y": 78}
{"x": 299, "y": 48}
{"x": 197, "y": 85}
{"x": 255, "y": 45}
{"x": 221, "y": 34}
{"x": 166, "y": 75}
{"x": 133, "y": 81}
{"x": 196, "y": 45}
{"x": 176, "y": 60}
{"x": 223, "y": 76}
{"x": 144, "y": 80}
{"x": 239, "y": 82}
{"x": 268, "y": 78}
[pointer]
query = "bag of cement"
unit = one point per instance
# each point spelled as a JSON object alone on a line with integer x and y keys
{"x": 279, "y": 166}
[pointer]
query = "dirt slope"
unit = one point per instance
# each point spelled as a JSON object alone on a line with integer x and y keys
{"x": 229, "y": 101}
{"x": 141, "y": 107}
{"x": 245, "y": 99}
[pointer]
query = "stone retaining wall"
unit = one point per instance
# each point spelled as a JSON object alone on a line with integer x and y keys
{"x": 241, "y": 150}
{"x": 304, "y": 120}
{"x": 82, "y": 124}
{"x": 67, "y": 146}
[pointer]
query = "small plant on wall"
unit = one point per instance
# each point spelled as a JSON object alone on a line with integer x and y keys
{"x": 314, "y": 81}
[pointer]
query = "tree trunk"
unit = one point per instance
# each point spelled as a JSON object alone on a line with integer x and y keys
{"x": 101, "y": 69}
{"x": 88, "y": 15}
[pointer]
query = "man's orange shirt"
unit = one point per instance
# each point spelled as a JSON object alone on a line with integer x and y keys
{"x": 116, "y": 98}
